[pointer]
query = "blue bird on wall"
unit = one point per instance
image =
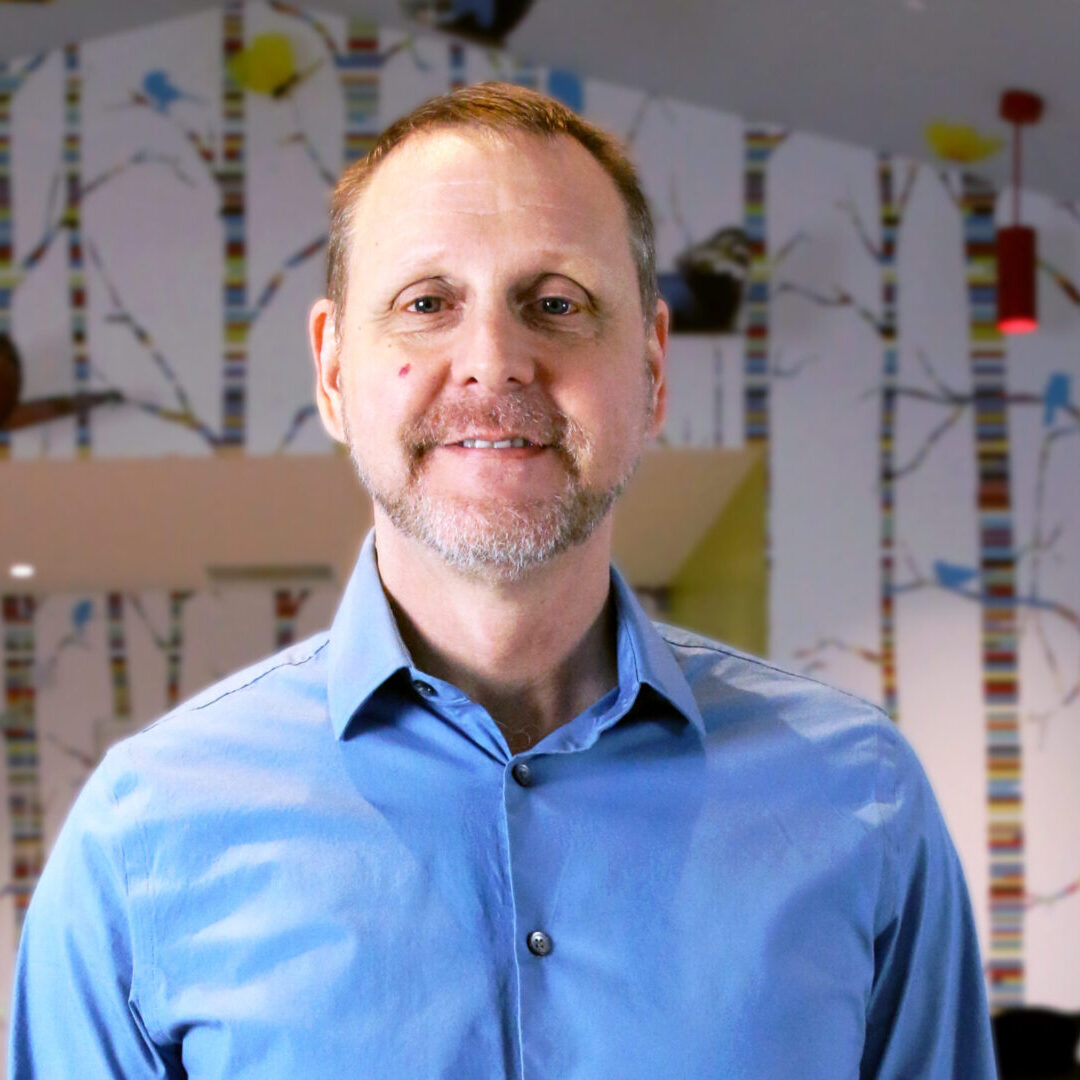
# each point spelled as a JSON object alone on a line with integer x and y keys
{"x": 81, "y": 614}
{"x": 1056, "y": 396}
{"x": 951, "y": 576}
{"x": 158, "y": 86}
{"x": 566, "y": 86}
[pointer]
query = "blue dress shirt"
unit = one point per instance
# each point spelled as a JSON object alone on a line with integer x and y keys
{"x": 331, "y": 866}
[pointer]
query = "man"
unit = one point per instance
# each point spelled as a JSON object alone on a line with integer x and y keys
{"x": 495, "y": 824}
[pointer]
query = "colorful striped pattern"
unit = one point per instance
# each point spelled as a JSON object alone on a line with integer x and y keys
{"x": 21, "y": 746}
{"x": 997, "y": 562}
{"x": 758, "y": 147}
{"x": 889, "y": 225}
{"x": 118, "y": 664}
{"x": 230, "y": 178}
{"x": 358, "y": 68}
{"x": 174, "y": 647}
{"x": 287, "y": 605}
{"x": 80, "y": 359}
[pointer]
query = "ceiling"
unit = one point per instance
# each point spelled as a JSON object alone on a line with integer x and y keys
{"x": 872, "y": 72}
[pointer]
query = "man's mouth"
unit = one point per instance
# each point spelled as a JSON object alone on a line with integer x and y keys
{"x": 513, "y": 443}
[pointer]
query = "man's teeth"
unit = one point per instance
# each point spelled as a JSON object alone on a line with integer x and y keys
{"x": 499, "y": 444}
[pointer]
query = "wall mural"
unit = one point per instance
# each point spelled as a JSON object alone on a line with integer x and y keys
{"x": 162, "y": 228}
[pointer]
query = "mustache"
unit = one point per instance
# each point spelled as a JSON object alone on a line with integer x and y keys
{"x": 533, "y": 416}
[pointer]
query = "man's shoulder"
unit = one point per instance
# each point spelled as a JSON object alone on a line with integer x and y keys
{"x": 732, "y": 685}
{"x": 263, "y": 722}
{"x": 285, "y": 685}
{"x": 793, "y": 731}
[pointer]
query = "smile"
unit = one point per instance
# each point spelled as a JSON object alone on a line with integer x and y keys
{"x": 497, "y": 444}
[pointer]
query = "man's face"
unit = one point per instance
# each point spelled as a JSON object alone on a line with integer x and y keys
{"x": 493, "y": 374}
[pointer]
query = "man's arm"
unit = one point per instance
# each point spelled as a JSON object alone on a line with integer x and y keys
{"x": 75, "y": 1008}
{"x": 927, "y": 1018}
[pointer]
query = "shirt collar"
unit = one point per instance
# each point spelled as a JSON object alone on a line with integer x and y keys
{"x": 366, "y": 648}
{"x": 641, "y": 648}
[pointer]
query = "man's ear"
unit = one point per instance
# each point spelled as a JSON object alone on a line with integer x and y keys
{"x": 326, "y": 355}
{"x": 656, "y": 348}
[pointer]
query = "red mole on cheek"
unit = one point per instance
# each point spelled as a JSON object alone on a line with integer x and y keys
{"x": 404, "y": 371}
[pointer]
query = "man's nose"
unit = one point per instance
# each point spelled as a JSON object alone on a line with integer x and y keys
{"x": 495, "y": 350}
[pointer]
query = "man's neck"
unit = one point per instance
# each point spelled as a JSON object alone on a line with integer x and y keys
{"x": 534, "y": 653}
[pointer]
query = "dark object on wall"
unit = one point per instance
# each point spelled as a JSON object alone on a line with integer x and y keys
{"x": 1037, "y": 1044}
{"x": 1017, "y": 258}
{"x": 486, "y": 22}
{"x": 10, "y": 377}
{"x": 15, "y": 414}
{"x": 706, "y": 290}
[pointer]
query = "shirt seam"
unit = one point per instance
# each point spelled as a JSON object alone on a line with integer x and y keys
{"x": 261, "y": 675}
{"x": 714, "y": 647}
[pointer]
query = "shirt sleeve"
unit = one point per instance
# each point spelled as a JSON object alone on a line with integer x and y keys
{"x": 927, "y": 1017}
{"x": 75, "y": 1011}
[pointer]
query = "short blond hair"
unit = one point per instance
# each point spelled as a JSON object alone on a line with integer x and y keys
{"x": 501, "y": 109}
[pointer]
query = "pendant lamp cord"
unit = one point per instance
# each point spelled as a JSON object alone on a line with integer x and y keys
{"x": 1016, "y": 173}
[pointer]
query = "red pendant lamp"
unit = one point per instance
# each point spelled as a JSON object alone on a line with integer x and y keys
{"x": 1016, "y": 258}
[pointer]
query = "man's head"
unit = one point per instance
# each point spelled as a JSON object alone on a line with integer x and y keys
{"x": 506, "y": 110}
{"x": 487, "y": 359}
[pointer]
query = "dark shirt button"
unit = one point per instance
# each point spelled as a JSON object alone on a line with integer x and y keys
{"x": 424, "y": 688}
{"x": 539, "y": 943}
{"x": 522, "y": 774}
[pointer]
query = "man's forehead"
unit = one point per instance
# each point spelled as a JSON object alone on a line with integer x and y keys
{"x": 549, "y": 189}
{"x": 469, "y": 163}
{"x": 435, "y": 144}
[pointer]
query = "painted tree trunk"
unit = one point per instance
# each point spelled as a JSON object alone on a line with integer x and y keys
{"x": 889, "y": 225}
{"x": 80, "y": 359}
{"x": 358, "y": 68}
{"x": 997, "y": 564}
{"x": 21, "y": 752}
{"x": 758, "y": 146}
{"x": 231, "y": 176}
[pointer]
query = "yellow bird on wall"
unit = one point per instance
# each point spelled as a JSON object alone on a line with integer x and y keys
{"x": 960, "y": 143}
{"x": 268, "y": 66}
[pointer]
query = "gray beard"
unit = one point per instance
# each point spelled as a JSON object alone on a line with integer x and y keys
{"x": 498, "y": 542}
{"x": 495, "y": 540}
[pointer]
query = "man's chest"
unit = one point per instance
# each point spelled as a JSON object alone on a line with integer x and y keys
{"x": 582, "y": 919}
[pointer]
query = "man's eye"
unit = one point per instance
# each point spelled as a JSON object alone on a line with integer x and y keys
{"x": 556, "y": 305}
{"x": 425, "y": 305}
